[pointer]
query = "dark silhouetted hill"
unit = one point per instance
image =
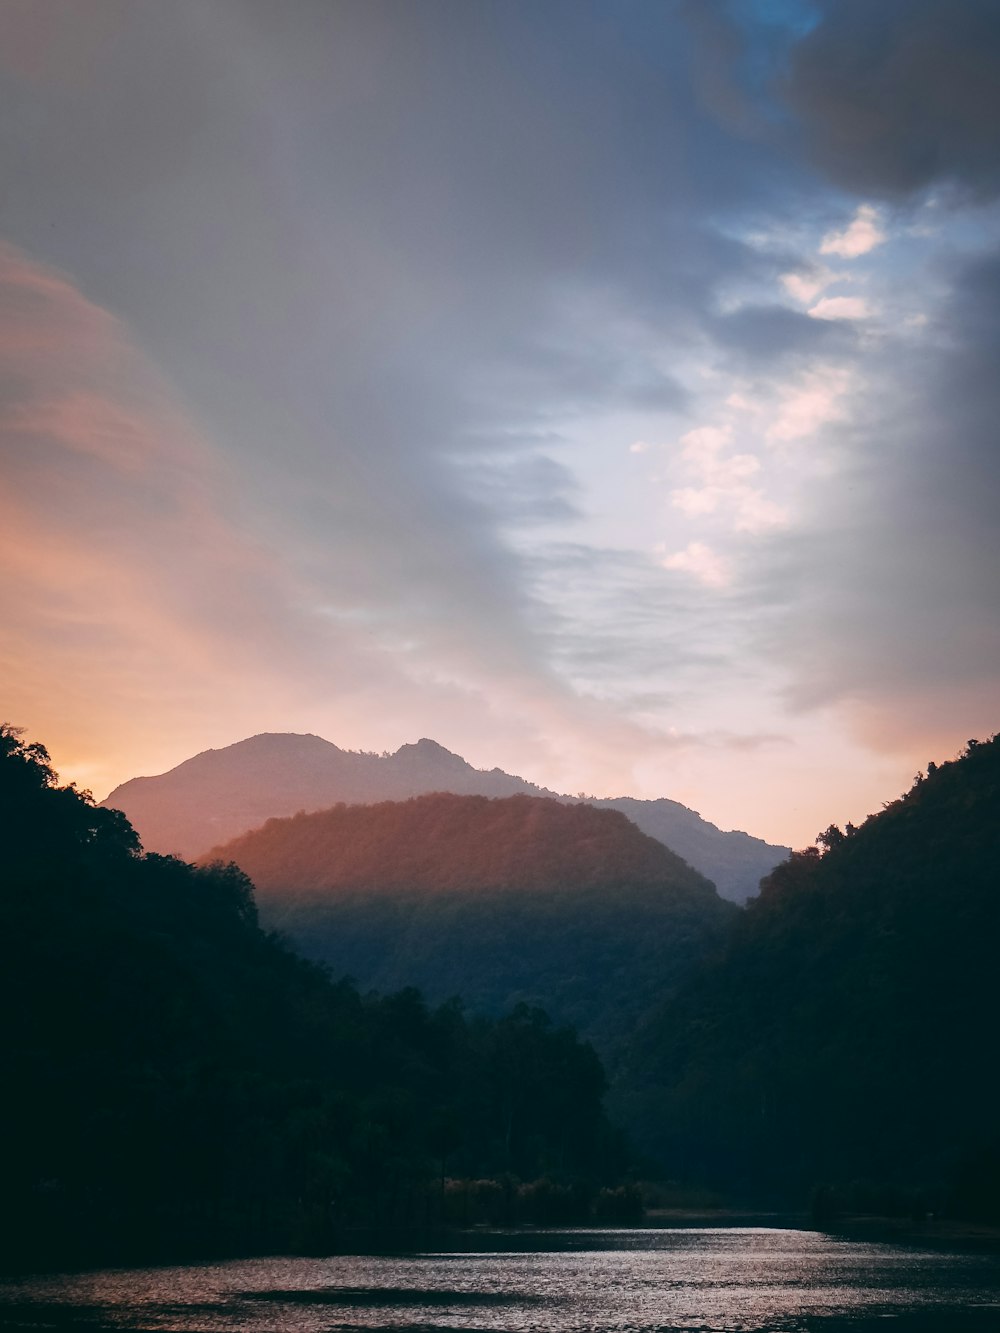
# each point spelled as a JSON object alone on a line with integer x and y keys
{"x": 220, "y": 794}
{"x": 848, "y": 1035}
{"x": 178, "y": 1083}
{"x": 498, "y": 901}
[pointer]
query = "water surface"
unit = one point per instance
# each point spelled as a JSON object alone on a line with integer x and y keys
{"x": 695, "y": 1280}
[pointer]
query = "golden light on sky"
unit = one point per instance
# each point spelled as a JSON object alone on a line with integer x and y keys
{"x": 603, "y": 410}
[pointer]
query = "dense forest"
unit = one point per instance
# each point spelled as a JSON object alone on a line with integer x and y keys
{"x": 503, "y": 901}
{"x": 846, "y": 1040}
{"x": 179, "y": 1081}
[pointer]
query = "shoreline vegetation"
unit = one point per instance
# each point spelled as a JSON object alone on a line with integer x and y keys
{"x": 464, "y": 1216}
{"x": 132, "y": 1250}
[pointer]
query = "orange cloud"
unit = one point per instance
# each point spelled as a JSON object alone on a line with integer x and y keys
{"x": 142, "y": 622}
{"x": 127, "y": 593}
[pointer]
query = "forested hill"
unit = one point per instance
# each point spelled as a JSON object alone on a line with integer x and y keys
{"x": 441, "y": 843}
{"x": 177, "y": 1082}
{"x": 519, "y": 899}
{"x": 849, "y": 1034}
{"x": 219, "y": 794}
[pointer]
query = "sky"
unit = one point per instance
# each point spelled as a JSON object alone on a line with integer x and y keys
{"x": 606, "y": 389}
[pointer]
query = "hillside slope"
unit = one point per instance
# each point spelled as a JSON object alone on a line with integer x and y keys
{"x": 849, "y": 1032}
{"x": 220, "y": 794}
{"x": 497, "y": 901}
{"x": 178, "y": 1082}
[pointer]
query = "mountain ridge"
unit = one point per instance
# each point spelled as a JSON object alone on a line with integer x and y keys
{"x": 498, "y": 900}
{"x": 218, "y": 794}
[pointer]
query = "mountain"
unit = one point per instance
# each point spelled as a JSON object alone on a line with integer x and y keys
{"x": 847, "y": 1035}
{"x": 220, "y": 794}
{"x": 734, "y": 861}
{"x": 520, "y": 899}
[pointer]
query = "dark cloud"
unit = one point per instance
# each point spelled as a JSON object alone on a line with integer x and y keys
{"x": 770, "y": 335}
{"x": 893, "y": 96}
{"x": 894, "y": 576}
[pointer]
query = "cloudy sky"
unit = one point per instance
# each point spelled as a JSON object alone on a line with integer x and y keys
{"x": 607, "y": 389}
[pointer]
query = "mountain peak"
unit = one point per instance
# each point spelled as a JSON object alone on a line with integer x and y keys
{"x": 426, "y": 751}
{"x": 284, "y": 741}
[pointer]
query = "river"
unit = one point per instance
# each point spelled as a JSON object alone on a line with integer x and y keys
{"x": 699, "y": 1280}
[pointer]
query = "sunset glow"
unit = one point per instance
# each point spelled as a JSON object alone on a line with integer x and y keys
{"x": 573, "y": 384}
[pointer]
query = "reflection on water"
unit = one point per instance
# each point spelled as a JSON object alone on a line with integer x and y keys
{"x": 700, "y": 1280}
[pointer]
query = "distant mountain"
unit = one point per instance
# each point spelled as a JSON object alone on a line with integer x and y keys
{"x": 220, "y": 794}
{"x": 735, "y": 862}
{"x": 498, "y": 901}
{"x": 847, "y": 1035}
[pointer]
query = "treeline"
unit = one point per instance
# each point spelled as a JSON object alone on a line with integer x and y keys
{"x": 178, "y": 1080}
{"x": 502, "y": 901}
{"x": 441, "y": 843}
{"x": 844, "y": 1044}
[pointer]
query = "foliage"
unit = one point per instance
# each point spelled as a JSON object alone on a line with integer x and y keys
{"x": 174, "y": 1075}
{"x": 847, "y": 1032}
{"x": 501, "y": 901}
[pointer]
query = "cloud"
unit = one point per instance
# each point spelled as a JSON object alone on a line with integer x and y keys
{"x": 123, "y": 582}
{"x": 862, "y": 235}
{"x": 395, "y": 287}
{"x": 377, "y": 256}
{"x": 751, "y": 510}
{"x": 704, "y": 564}
{"x": 893, "y": 97}
{"x": 763, "y": 336}
{"x": 841, "y": 307}
{"x": 696, "y": 500}
{"x": 889, "y": 587}
{"x": 723, "y": 485}
{"x": 808, "y": 402}
{"x": 805, "y": 287}
{"x": 755, "y": 513}
{"x": 134, "y": 593}
{"x": 722, "y": 489}
{"x": 701, "y": 446}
